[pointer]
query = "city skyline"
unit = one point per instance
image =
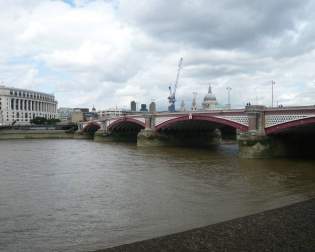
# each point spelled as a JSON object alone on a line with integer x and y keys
{"x": 108, "y": 53}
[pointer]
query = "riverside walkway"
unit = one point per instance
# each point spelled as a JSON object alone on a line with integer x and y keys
{"x": 290, "y": 228}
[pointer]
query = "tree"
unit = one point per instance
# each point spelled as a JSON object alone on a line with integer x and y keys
{"x": 39, "y": 120}
{"x": 53, "y": 121}
{"x": 43, "y": 121}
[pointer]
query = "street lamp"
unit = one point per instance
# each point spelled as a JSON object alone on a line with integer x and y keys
{"x": 2, "y": 121}
{"x": 272, "y": 84}
{"x": 229, "y": 97}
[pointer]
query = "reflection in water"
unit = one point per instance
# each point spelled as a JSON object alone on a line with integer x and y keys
{"x": 68, "y": 195}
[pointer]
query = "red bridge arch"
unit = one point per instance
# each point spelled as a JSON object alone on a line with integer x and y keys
{"x": 212, "y": 119}
{"x": 124, "y": 120}
{"x": 290, "y": 125}
{"x": 91, "y": 126}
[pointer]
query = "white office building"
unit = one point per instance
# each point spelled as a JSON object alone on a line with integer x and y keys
{"x": 19, "y": 106}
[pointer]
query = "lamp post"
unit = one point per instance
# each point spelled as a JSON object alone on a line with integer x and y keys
{"x": 194, "y": 103}
{"x": 1, "y": 114}
{"x": 272, "y": 84}
{"x": 229, "y": 97}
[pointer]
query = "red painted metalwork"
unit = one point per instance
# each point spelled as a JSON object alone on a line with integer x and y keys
{"x": 287, "y": 125}
{"x": 203, "y": 118}
{"x": 91, "y": 125}
{"x": 124, "y": 120}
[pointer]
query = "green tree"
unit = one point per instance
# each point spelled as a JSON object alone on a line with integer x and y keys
{"x": 39, "y": 120}
{"x": 43, "y": 121}
{"x": 52, "y": 121}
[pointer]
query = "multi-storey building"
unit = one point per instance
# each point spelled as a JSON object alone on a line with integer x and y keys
{"x": 19, "y": 106}
{"x": 64, "y": 114}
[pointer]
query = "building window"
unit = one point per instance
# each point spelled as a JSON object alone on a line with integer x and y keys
{"x": 11, "y": 92}
{"x": 12, "y": 103}
{"x": 21, "y": 105}
{"x": 17, "y": 104}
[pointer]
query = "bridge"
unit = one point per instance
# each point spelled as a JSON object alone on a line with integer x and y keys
{"x": 260, "y": 131}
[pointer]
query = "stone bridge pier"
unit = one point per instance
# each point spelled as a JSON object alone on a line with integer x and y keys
{"x": 254, "y": 143}
{"x": 276, "y": 133}
{"x": 182, "y": 133}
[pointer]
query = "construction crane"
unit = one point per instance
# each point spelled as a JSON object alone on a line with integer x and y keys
{"x": 172, "y": 97}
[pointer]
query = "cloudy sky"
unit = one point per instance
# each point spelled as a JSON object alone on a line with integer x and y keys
{"x": 109, "y": 52}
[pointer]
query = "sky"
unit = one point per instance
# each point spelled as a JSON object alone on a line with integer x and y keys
{"x": 107, "y": 53}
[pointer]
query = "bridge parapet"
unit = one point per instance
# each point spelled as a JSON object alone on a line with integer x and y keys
{"x": 283, "y": 118}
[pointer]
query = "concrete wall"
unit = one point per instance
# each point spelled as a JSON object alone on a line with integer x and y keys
{"x": 34, "y": 134}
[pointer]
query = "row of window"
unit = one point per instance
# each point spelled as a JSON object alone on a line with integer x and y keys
{"x": 29, "y": 116}
{"x": 32, "y": 106}
{"x": 32, "y": 95}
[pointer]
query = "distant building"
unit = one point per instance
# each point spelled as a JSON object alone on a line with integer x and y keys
{"x": 152, "y": 107}
{"x": 81, "y": 109}
{"x": 112, "y": 112}
{"x": 83, "y": 114}
{"x": 143, "y": 108}
{"x": 77, "y": 116}
{"x": 133, "y": 106}
{"x": 89, "y": 116}
{"x": 64, "y": 114}
{"x": 20, "y": 106}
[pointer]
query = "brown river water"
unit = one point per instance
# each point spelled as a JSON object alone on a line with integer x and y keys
{"x": 78, "y": 195}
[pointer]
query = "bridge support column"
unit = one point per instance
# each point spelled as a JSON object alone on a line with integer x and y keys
{"x": 148, "y": 136}
{"x": 255, "y": 143}
{"x": 82, "y": 135}
{"x": 255, "y": 146}
{"x": 102, "y": 136}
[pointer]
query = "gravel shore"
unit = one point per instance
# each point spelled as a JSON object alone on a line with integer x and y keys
{"x": 290, "y": 228}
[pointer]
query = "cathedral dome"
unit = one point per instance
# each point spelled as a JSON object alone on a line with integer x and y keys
{"x": 210, "y": 97}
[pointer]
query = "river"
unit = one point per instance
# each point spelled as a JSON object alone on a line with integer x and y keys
{"x": 78, "y": 195}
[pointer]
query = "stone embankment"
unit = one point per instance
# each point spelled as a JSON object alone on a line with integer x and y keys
{"x": 41, "y": 134}
{"x": 290, "y": 228}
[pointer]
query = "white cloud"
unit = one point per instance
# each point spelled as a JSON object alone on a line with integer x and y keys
{"x": 107, "y": 53}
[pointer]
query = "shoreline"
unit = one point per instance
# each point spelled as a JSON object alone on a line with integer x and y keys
{"x": 29, "y": 134}
{"x": 289, "y": 228}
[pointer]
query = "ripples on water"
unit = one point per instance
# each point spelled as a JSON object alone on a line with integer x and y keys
{"x": 76, "y": 195}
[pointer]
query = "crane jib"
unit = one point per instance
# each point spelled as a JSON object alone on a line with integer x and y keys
{"x": 172, "y": 95}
